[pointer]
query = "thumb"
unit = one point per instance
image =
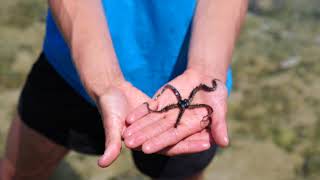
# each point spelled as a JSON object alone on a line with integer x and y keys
{"x": 219, "y": 129}
{"x": 113, "y": 107}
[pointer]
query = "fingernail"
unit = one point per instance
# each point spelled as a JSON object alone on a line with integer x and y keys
{"x": 226, "y": 140}
{"x": 101, "y": 159}
{"x": 206, "y": 145}
{"x": 147, "y": 149}
{"x": 128, "y": 133}
{"x": 130, "y": 143}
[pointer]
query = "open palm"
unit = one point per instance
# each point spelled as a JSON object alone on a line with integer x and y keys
{"x": 161, "y": 132}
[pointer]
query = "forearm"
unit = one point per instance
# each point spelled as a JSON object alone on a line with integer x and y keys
{"x": 215, "y": 28}
{"x": 85, "y": 29}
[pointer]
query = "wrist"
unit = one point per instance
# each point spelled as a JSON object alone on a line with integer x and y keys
{"x": 97, "y": 88}
{"x": 198, "y": 77}
{"x": 99, "y": 73}
{"x": 207, "y": 73}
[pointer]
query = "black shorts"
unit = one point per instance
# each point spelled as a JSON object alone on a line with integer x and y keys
{"x": 51, "y": 107}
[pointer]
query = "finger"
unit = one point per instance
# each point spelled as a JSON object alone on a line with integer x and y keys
{"x": 159, "y": 126}
{"x": 142, "y": 123}
{"x": 110, "y": 155}
{"x": 204, "y": 135}
{"x": 170, "y": 137}
{"x": 195, "y": 143}
{"x": 140, "y": 111}
{"x": 113, "y": 108}
{"x": 187, "y": 147}
{"x": 219, "y": 125}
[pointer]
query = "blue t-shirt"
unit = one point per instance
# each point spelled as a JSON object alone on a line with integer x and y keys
{"x": 151, "y": 40}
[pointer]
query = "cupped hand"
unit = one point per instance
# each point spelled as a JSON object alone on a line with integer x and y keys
{"x": 114, "y": 105}
{"x": 155, "y": 132}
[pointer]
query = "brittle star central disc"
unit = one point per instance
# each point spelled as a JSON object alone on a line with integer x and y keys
{"x": 184, "y": 104}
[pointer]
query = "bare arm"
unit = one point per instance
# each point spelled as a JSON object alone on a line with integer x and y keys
{"x": 84, "y": 27}
{"x": 216, "y": 26}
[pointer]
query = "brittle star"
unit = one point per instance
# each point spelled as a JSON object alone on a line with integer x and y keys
{"x": 184, "y": 104}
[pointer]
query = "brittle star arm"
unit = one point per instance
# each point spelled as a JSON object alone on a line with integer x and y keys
{"x": 179, "y": 117}
{"x": 173, "y": 89}
{"x": 203, "y": 87}
{"x": 165, "y": 109}
{"x": 207, "y": 107}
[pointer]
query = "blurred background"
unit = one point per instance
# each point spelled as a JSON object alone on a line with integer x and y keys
{"x": 274, "y": 109}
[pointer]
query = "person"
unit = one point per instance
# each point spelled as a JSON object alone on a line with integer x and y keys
{"x": 101, "y": 61}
